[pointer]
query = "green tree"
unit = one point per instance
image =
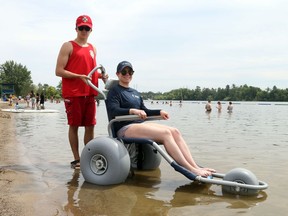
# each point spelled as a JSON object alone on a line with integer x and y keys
{"x": 197, "y": 94}
{"x": 17, "y": 74}
{"x": 59, "y": 89}
{"x": 51, "y": 92}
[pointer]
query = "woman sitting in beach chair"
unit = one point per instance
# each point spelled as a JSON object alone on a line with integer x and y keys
{"x": 123, "y": 100}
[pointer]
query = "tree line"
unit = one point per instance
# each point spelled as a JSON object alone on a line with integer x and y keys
{"x": 18, "y": 75}
{"x": 229, "y": 93}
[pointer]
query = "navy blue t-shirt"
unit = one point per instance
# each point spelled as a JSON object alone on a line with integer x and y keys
{"x": 120, "y": 100}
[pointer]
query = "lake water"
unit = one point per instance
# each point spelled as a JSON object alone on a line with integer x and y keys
{"x": 254, "y": 136}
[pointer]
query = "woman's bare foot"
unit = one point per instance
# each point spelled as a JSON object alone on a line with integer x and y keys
{"x": 203, "y": 172}
{"x": 209, "y": 169}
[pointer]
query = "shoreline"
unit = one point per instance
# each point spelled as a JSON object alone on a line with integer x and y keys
{"x": 16, "y": 183}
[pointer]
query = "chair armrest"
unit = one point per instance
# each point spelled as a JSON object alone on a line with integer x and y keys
{"x": 135, "y": 117}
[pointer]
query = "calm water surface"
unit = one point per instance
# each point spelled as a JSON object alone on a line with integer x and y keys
{"x": 254, "y": 136}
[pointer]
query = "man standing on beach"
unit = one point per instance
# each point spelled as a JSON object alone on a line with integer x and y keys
{"x": 75, "y": 60}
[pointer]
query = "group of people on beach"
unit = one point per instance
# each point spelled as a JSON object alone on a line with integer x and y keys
{"x": 75, "y": 60}
{"x": 37, "y": 101}
{"x": 208, "y": 107}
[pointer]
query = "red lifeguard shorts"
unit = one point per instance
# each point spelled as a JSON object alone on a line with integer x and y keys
{"x": 81, "y": 111}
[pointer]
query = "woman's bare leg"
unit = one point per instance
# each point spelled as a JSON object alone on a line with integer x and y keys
{"x": 183, "y": 146}
{"x": 163, "y": 135}
{"x": 181, "y": 143}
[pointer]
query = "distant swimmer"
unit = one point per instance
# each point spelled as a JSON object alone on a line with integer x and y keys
{"x": 219, "y": 106}
{"x": 208, "y": 106}
{"x": 230, "y": 107}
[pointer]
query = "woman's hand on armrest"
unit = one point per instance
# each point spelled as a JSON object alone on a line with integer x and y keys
{"x": 141, "y": 113}
{"x": 164, "y": 114}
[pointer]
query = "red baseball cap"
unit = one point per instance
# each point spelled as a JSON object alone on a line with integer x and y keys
{"x": 84, "y": 20}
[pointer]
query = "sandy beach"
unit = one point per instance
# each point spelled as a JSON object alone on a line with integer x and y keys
{"x": 14, "y": 200}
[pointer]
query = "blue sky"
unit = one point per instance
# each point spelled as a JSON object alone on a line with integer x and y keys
{"x": 171, "y": 44}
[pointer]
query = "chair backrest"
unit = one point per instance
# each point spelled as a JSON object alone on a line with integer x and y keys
{"x": 110, "y": 83}
{"x": 108, "y": 86}
{"x": 111, "y": 130}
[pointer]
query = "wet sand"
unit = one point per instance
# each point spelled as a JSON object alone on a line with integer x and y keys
{"x": 14, "y": 180}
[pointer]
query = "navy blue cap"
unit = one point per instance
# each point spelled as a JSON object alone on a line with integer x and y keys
{"x": 122, "y": 65}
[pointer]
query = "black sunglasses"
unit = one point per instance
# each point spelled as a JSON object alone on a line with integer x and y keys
{"x": 86, "y": 28}
{"x": 124, "y": 72}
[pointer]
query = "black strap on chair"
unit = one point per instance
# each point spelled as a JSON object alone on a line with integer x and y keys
{"x": 140, "y": 156}
{"x": 138, "y": 142}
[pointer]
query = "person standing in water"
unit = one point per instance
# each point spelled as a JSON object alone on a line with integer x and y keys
{"x": 75, "y": 60}
{"x": 219, "y": 106}
{"x": 208, "y": 106}
{"x": 230, "y": 107}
